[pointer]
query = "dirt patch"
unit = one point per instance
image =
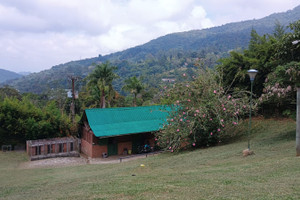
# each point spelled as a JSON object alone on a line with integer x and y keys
{"x": 54, "y": 162}
{"x": 115, "y": 159}
{"x": 82, "y": 160}
{"x": 71, "y": 161}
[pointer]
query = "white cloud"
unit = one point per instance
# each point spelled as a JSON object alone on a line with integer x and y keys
{"x": 13, "y": 19}
{"x": 35, "y": 35}
{"x": 222, "y": 12}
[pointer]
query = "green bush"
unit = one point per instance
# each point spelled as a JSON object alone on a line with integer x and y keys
{"x": 22, "y": 120}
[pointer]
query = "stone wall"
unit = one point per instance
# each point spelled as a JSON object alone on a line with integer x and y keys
{"x": 52, "y": 147}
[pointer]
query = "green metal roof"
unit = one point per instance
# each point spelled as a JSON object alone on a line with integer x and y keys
{"x": 109, "y": 122}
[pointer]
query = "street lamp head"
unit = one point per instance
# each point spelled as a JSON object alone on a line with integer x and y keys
{"x": 252, "y": 73}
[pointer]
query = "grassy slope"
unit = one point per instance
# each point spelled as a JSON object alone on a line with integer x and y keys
{"x": 214, "y": 173}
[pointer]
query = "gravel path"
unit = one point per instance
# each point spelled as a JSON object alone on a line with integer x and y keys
{"x": 73, "y": 161}
{"x": 82, "y": 160}
{"x": 54, "y": 162}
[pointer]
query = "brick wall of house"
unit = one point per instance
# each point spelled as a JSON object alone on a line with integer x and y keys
{"x": 98, "y": 150}
{"x": 86, "y": 146}
{"x": 124, "y": 145}
{"x": 89, "y": 144}
{"x": 124, "y": 142}
{"x": 92, "y": 150}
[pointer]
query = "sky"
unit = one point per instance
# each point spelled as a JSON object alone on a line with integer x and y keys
{"x": 38, "y": 34}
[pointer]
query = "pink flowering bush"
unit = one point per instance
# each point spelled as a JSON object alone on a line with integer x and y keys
{"x": 203, "y": 115}
{"x": 279, "y": 93}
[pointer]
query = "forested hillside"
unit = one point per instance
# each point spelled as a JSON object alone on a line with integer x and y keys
{"x": 7, "y": 75}
{"x": 165, "y": 57}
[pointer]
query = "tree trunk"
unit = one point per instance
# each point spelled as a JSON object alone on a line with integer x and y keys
{"x": 103, "y": 99}
{"x": 134, "y": 100}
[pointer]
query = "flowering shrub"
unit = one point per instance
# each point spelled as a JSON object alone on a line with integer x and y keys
{"x": 280, "y": 87}
{"x": 203, "y": 113}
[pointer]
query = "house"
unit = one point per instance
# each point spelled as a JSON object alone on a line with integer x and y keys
{"x": 169, "y": 80}
{"x": 119, "y": 131}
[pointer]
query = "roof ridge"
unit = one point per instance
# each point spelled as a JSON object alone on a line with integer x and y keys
{"x": 123, "y": 108}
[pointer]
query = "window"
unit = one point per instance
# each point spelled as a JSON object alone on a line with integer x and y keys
{"x": 48, "y": 148}
{"x": 38, "y": 150}
{"x": 71, "y": 146}
{"x": 60, "y": 148}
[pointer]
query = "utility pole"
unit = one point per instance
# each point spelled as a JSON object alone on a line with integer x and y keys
{"x": 72, "y": 107}
{"x": 298, "y": 123}
{"x": 298, "y": 110}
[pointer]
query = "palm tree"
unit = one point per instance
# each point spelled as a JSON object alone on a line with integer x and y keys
{"x": 101, "y": 80}
{"x": 134, "y": 86}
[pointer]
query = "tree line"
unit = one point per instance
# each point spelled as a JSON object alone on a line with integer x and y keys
{"x": 276, "y": 56}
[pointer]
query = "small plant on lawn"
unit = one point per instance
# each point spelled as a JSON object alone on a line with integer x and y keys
{"x": 203, "y": 115}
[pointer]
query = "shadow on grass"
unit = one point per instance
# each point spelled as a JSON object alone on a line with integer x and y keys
{"x": 277, "y": 138}
{"x": 287, "y": 136}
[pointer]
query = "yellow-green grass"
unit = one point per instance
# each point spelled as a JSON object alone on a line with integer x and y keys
{"x": 219, "y": 172}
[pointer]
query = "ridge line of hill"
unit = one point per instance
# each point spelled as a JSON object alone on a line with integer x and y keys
{"x": 165, "y": 56}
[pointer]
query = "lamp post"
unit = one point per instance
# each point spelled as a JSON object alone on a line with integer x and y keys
{"x": 252, "y": 73}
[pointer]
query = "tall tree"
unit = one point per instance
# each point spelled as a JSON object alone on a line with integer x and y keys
{"x": 101, "y": 79}
{"x": 259, "y": 55}
{"x": 288, "y": 48}
{"x": 279, "y": 30}
{"x": 7, "y": 91}
{"x": 135, "y": 86}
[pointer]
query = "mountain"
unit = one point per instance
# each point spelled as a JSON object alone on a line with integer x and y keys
{"x": 165, "y": 57}
{"x": 223, "y": 38}
{"x": 24, "y": 73}
{"x": 8, "y": 75}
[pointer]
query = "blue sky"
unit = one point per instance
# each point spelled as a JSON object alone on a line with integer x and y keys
{"x": 38, "y": 34}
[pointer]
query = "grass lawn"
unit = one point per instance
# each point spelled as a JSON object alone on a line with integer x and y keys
{"x": 214, "y": 173}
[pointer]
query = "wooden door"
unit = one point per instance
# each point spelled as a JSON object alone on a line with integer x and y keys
{"x": 112, "y": 146}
